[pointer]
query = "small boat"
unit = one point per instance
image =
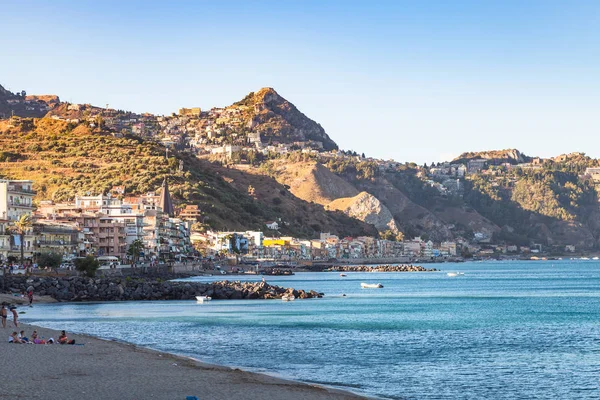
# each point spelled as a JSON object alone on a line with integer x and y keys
{"x": 371, "y": 285}
{"x": 453, "y": 274}
{"x": 343, "y": 275}
{"x": 596, "y": 258}
{"x": 288, "y": 297}
{"x": 202, "y": 299}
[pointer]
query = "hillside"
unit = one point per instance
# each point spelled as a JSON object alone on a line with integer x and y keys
{"x": 269, "y": 162}
{"x": 66, "y": 159}
{"x": 311, "y": 181}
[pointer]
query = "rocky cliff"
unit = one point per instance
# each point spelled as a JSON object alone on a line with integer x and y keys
{"x": 367, "y": 208}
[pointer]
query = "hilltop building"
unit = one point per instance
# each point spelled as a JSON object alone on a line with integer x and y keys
{"x": 194, "y": 111}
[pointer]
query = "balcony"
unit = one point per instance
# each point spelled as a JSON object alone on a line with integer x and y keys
{"x": 20, "y": 205}
{"x": 56, "y": 243}
{"x": 21, "y": 190}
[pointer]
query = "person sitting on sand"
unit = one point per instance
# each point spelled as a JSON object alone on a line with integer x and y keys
{"x": 35, "y": 339}
{"x": 14, "y": 338}
{"x": 22, "y": 337}
{"x": 63, "y": 339}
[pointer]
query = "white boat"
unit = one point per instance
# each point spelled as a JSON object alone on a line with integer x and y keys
{"x": 288, "y": 297}
{"x": 343, "y": 275}
{"x": 453, "y": 274}
{"x": 371, "y": 285}
{"x": 596, "y": 258}
{"x": 202, "y": 299}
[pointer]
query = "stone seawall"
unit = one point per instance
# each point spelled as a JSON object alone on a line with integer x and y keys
{"x": 78, "y": 288}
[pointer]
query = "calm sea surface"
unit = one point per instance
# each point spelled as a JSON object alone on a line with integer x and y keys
{"x": 504, "y": 330}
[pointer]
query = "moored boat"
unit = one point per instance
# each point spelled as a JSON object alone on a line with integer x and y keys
{"x": 371, "y": 285}
{"x": 202, "y": 299}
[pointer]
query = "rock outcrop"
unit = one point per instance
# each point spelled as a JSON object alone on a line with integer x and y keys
{"x": 367, "y": 208}
{"x": 78, "y": 288}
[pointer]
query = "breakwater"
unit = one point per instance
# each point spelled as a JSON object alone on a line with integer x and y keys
{"x": 78, "y": 288}
{"x": 381, "y": 268}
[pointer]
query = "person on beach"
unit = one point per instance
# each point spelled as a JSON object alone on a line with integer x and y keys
{"x": 4, "y": 315}
{"x": 22, "y": 337}
{"x": 30, "y": 295}
{"x": 35, "y": 339}
{"x": 14, "y": 339}
{"x": 15, "y": 316}
{"x": 63, "y": 339}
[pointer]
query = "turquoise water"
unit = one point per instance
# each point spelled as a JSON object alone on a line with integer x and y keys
{"x": 504, "y": 330}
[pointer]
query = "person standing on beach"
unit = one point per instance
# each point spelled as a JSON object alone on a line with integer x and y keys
{"x": 30, "y": 295}
{"x": 15, "y": 316}
{"x": 3, "y": 314}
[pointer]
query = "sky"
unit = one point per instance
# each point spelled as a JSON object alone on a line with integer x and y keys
{"x": 418, "y": 81}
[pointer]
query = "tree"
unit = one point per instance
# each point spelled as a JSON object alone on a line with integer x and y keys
{"x": 51, "y": 260}
{"x": 134, "y": 250}
{"x": 87, "y": 265}
{"x": 21, "y": 226}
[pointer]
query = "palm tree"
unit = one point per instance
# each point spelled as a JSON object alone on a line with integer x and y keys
{"x": 134, "y": 250}
{"x": 21, "y": 226}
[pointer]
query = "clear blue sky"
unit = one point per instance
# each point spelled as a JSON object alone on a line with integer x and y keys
{"x": 410, "y": 80}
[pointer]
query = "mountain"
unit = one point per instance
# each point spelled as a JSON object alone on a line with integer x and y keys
{"x": 276, "y": 119}
{"x": 261, "y": 159}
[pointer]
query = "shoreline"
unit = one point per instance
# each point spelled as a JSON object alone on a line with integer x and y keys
{"x": 114, "y": 369}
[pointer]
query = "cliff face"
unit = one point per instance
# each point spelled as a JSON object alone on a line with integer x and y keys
{"x": 367, "y": 208}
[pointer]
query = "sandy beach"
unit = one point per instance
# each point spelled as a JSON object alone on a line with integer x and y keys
{"x": 100, "y": 369}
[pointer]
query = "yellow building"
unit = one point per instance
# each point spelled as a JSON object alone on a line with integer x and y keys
{"x": 194, "y": 111}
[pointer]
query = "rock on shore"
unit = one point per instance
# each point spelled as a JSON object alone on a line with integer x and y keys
{"x": 78, "y": 288}
{"x": 382, "y": 268}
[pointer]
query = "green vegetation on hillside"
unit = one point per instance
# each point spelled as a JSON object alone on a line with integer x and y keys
{"x": 65, "y": 160}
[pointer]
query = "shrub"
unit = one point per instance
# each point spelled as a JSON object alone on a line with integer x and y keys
{"x": 51, "y": 260}
{"x": 87, "y": 265}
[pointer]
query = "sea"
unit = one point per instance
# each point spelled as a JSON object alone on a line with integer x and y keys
{"x": 503, "y": 330}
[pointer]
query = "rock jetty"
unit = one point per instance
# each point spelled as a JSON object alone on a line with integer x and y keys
{"x": 78, "y": 288}
{"x": 381, "y": 268}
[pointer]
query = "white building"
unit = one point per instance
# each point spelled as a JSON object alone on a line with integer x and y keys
{"x": 16, "y": 199}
